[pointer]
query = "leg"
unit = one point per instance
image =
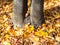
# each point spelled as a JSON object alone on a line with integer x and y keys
{"x": 18, "y": 17}
{"x": 36, "y": 14}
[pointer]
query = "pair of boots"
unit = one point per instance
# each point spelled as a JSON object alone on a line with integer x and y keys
{"x": 36, "y": 17}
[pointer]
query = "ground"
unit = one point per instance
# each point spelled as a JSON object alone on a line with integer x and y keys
{"x": 47, "y": 34}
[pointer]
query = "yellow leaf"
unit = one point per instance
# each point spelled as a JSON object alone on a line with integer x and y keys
{"x": 8, "y": 44}
{"x": 52, "y": 30}
{"x": 36, "y": 39}
{"x": 7, "y": 36}
{"x": 26, "y": 34}
{"x": 41, "y": 33}
{"x": 11, "y": 32}
{"x": 37, "y": 33}
{"x": 30, "y": 29}
{"x": 4, "y": 16}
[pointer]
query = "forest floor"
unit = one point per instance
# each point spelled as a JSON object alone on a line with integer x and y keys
{"x": 47, "y": 34}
